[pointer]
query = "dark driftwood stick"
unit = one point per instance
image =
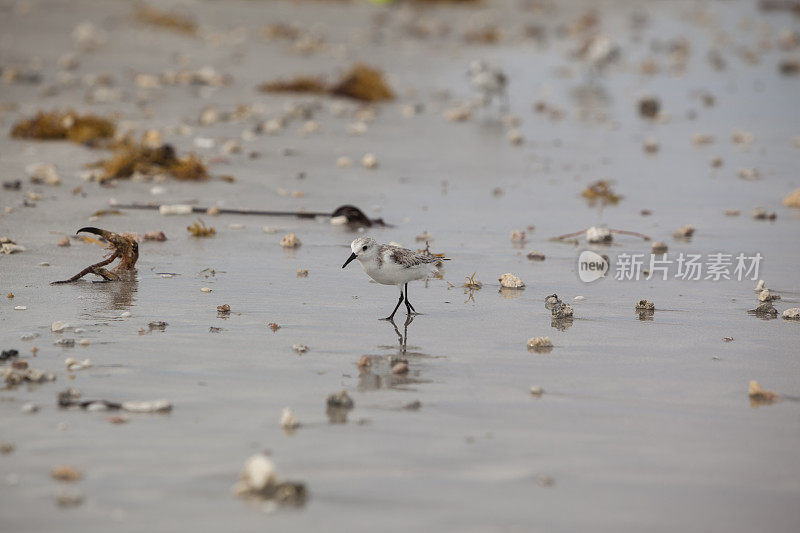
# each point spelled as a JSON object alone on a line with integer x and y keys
{"x": 620, "y": 231}
{"x": 354, "y": 215}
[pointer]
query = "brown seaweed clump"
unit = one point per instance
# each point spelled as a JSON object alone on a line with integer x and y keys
{"x": 130, "y": 158}
{"x": 166, "y": 20}
{"x": 300, "y": 84}
{"x": 199, "y": 229}
{"x": 601, "y": 190}
{"x": 65, "y": 125}
{"x": 363, "y": 83}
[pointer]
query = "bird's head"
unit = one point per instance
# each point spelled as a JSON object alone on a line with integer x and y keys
{"x": 364, "y": 249}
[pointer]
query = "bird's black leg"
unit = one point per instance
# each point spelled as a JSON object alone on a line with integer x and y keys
{"x": 409, "y": 307}
{"x": 391, "y": 317}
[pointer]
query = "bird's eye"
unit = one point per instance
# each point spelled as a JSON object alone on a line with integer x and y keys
{"x": 364, "y": 247}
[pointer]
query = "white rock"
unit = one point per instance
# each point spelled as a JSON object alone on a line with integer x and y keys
{"x": 58, "y": 326}
{"x": 125, "y": 314}
{"x": 259, "y": 473}
{"x": 29, "y": 408}
{"x": 43, "y": 173}
{"x": 792, "y": 314}
{"x": 74, "y": 365}
{"x": 540, "y": 342}
{"x": 288, "y": 420}
{"x": 579, "y": 298}
{"x": 369, "y": 161}
{"x": 154, "y": 406}
{"x": 597, "y": 234}
{"x": 20, "y": 308}
{"x": 510, "y": 281}
{"x": 175, "y": 209}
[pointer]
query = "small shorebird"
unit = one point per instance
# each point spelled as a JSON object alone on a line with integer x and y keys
{"x": 489, "y": 81}
{"x": 392, "y": 265}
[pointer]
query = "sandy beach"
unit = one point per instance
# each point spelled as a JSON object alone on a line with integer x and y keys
{"x": 638, "y": 421}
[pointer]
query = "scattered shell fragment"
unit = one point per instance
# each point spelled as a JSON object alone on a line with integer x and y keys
{"x": 151, "y": 406}
{"x": 223, "y": 309}
{"x": 764, "y": 309}
{"x": 651, "y": 146}
{"x": 699, "y": 139}
{"x": 205, "y": 289}
{"x": 74, "y": 364}
{"x": 793, "y": 199}
{"x": 515, "y": 137}
{"x": 369, "y": 161}
{"x": 759, "y": 395}
{"x": 28, "y": 408}
{"x": 259, "y": 479}
{"x": 288, "y": 420}
{"x": 273, "y": 326}
{"x": 534, "y": 255}
{"x": 562, "y": 310}
{"x": 658, "y": 247}
{"x": 65, "y": 473}
{"x": 792, "y": 313}
{"x": 290, "y": 240}
{"x": 177, "y": 209}
{"x": 684, "y": 232}
{"x": 540, "y": 344}
{"x": 536, "y": 391}
{"x": 258, "y": 475}
{"x": 760, "y": 213}
{"x": 400, "y": 368}
{"x": 69, "y": 498}
{"x": 459, "y": 113}
{"x": 340, "y": 400}
{"x": 300, "y": 348}
{"x": 58, "y": 326}
{"x": 43, "y": 173}
{"x": 510, "y": 281}
{"x": 750, "y": 174}
{"x": 364, "y": 361}
{"x": 644, "y": 305}
{"x": 766, "y": 296}
{"x": 598, "y": 234}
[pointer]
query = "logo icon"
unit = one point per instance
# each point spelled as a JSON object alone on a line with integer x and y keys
{"x": 592, "y": 266}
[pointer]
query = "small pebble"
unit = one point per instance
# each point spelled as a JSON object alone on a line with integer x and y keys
{"x": 400, "y": 368}
{"x": 536, "y": 391}
{"x": 29, "y": 408}
{"x": 65, "y": 473}
{"x": 369, "y": 161}
{"x": 205, "y": 289}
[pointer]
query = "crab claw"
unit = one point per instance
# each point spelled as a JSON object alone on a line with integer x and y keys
{"x": 89, "y": 229}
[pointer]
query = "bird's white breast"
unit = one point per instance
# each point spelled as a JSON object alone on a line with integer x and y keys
{"x": 387, "y": 272}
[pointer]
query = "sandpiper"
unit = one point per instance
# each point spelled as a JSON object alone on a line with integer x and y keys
{"x": 392, "y": 265}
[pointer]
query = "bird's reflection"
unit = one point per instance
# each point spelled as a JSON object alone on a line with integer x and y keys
{"x": 111, "y": 297}
{"x": 394, "y": 371}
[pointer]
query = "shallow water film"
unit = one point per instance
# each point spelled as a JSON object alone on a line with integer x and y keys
{"x": 609, "y": 193}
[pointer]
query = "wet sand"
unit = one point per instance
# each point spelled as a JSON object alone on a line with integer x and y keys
{"x": 643, "y": 426}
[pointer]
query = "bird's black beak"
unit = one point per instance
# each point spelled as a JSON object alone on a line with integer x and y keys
{"x": 352, "y": 256}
